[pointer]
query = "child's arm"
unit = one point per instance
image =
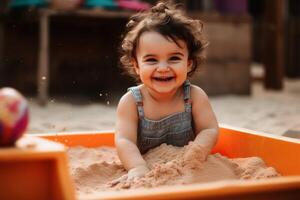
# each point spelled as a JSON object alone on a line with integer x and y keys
{"x": 126, "y": 137}
{"x": 205, "y": 125}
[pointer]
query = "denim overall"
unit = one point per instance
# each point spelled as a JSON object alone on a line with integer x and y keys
{"x": 175, "y": 129}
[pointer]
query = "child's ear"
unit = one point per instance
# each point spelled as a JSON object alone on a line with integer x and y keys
{"x": 136, "y": 67}
{"x": 190, "y": 64}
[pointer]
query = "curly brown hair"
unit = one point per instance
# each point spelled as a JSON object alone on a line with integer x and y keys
{"x": 170, "y": 21}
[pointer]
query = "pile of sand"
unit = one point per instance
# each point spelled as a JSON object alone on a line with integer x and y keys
{"x": 94, "y": 169}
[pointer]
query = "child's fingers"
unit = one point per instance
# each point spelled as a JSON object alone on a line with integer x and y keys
{"x": 194, "y": 154}
{"x": 137, "y": 172}
{"x": 133, "y": 177}
{"x": 118, "y": 180}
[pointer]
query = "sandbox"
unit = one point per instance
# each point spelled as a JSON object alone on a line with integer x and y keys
{"x": 50, "y": 178}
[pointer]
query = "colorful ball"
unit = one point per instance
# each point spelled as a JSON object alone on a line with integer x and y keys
{"x": 14, "y": 116}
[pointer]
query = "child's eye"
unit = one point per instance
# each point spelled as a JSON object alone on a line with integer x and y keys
{"x": 175, "y": 58}
{"x": 151, "y": 60}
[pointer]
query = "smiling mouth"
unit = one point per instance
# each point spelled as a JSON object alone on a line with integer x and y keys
{"x": 163, "y": 78}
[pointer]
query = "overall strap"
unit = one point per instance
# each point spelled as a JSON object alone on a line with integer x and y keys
{"x": 187, "y": 96}
{"x": 138, "y": 99}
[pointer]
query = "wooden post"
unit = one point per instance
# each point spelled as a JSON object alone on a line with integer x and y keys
{"x": 292, "y": 48}
{"x": 43, "y": 62}
{"x": 1, "y": 51}
{"x": 273, "y": 53}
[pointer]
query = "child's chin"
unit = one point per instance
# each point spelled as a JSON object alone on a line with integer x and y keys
{"x": 164, "y": 89}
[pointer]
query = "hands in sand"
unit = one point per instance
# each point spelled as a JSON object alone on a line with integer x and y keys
{"x": 133, "y": 174}
{"x": 194, "y": 155}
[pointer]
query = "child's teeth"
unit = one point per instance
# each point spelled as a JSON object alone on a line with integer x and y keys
{"x": 163, "y": 78}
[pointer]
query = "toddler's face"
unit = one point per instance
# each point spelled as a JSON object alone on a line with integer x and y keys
{"x": 161, "y": 64}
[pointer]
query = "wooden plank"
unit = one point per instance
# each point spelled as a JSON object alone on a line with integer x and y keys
{"x": 273, "y": 44}
{"x": 88, "y": 12}
{"x": 221, "y": 36}
{"x": 224, "y": 77}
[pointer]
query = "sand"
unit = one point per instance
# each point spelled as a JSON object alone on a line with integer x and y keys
{"x": 268, "y": 111}
{"x": 96, "y": 169}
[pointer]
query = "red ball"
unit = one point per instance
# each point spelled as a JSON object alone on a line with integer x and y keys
{"x": 14, "y": 116}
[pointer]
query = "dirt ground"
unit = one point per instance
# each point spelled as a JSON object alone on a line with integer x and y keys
{"x": 267, "y": 111}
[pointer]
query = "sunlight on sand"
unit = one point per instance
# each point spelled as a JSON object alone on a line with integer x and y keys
{"x": 265, "y": 110}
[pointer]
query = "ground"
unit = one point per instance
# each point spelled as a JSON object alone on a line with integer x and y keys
{"x": 268, "y": 111}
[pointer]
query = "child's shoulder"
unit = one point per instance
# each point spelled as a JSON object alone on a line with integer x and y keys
{"x": 128, "y": 100}
{"x": 127, "y": 107}
{"x": 198, "y": 93}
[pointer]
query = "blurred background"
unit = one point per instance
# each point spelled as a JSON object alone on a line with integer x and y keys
{"x": 62, "y": 55}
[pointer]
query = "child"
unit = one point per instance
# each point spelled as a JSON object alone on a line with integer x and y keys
{"x": 161, "y": 49}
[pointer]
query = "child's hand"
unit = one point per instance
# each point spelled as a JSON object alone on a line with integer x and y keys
{"x": 134, "y": 173}
{"x": 137, "y": 172}
{"x": 194, "y": 155}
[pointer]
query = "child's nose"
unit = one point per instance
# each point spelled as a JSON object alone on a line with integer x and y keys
{"x": 163, "y": 66}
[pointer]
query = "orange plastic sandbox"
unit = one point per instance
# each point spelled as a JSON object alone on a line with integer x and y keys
{"x": 279, "y": 152}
